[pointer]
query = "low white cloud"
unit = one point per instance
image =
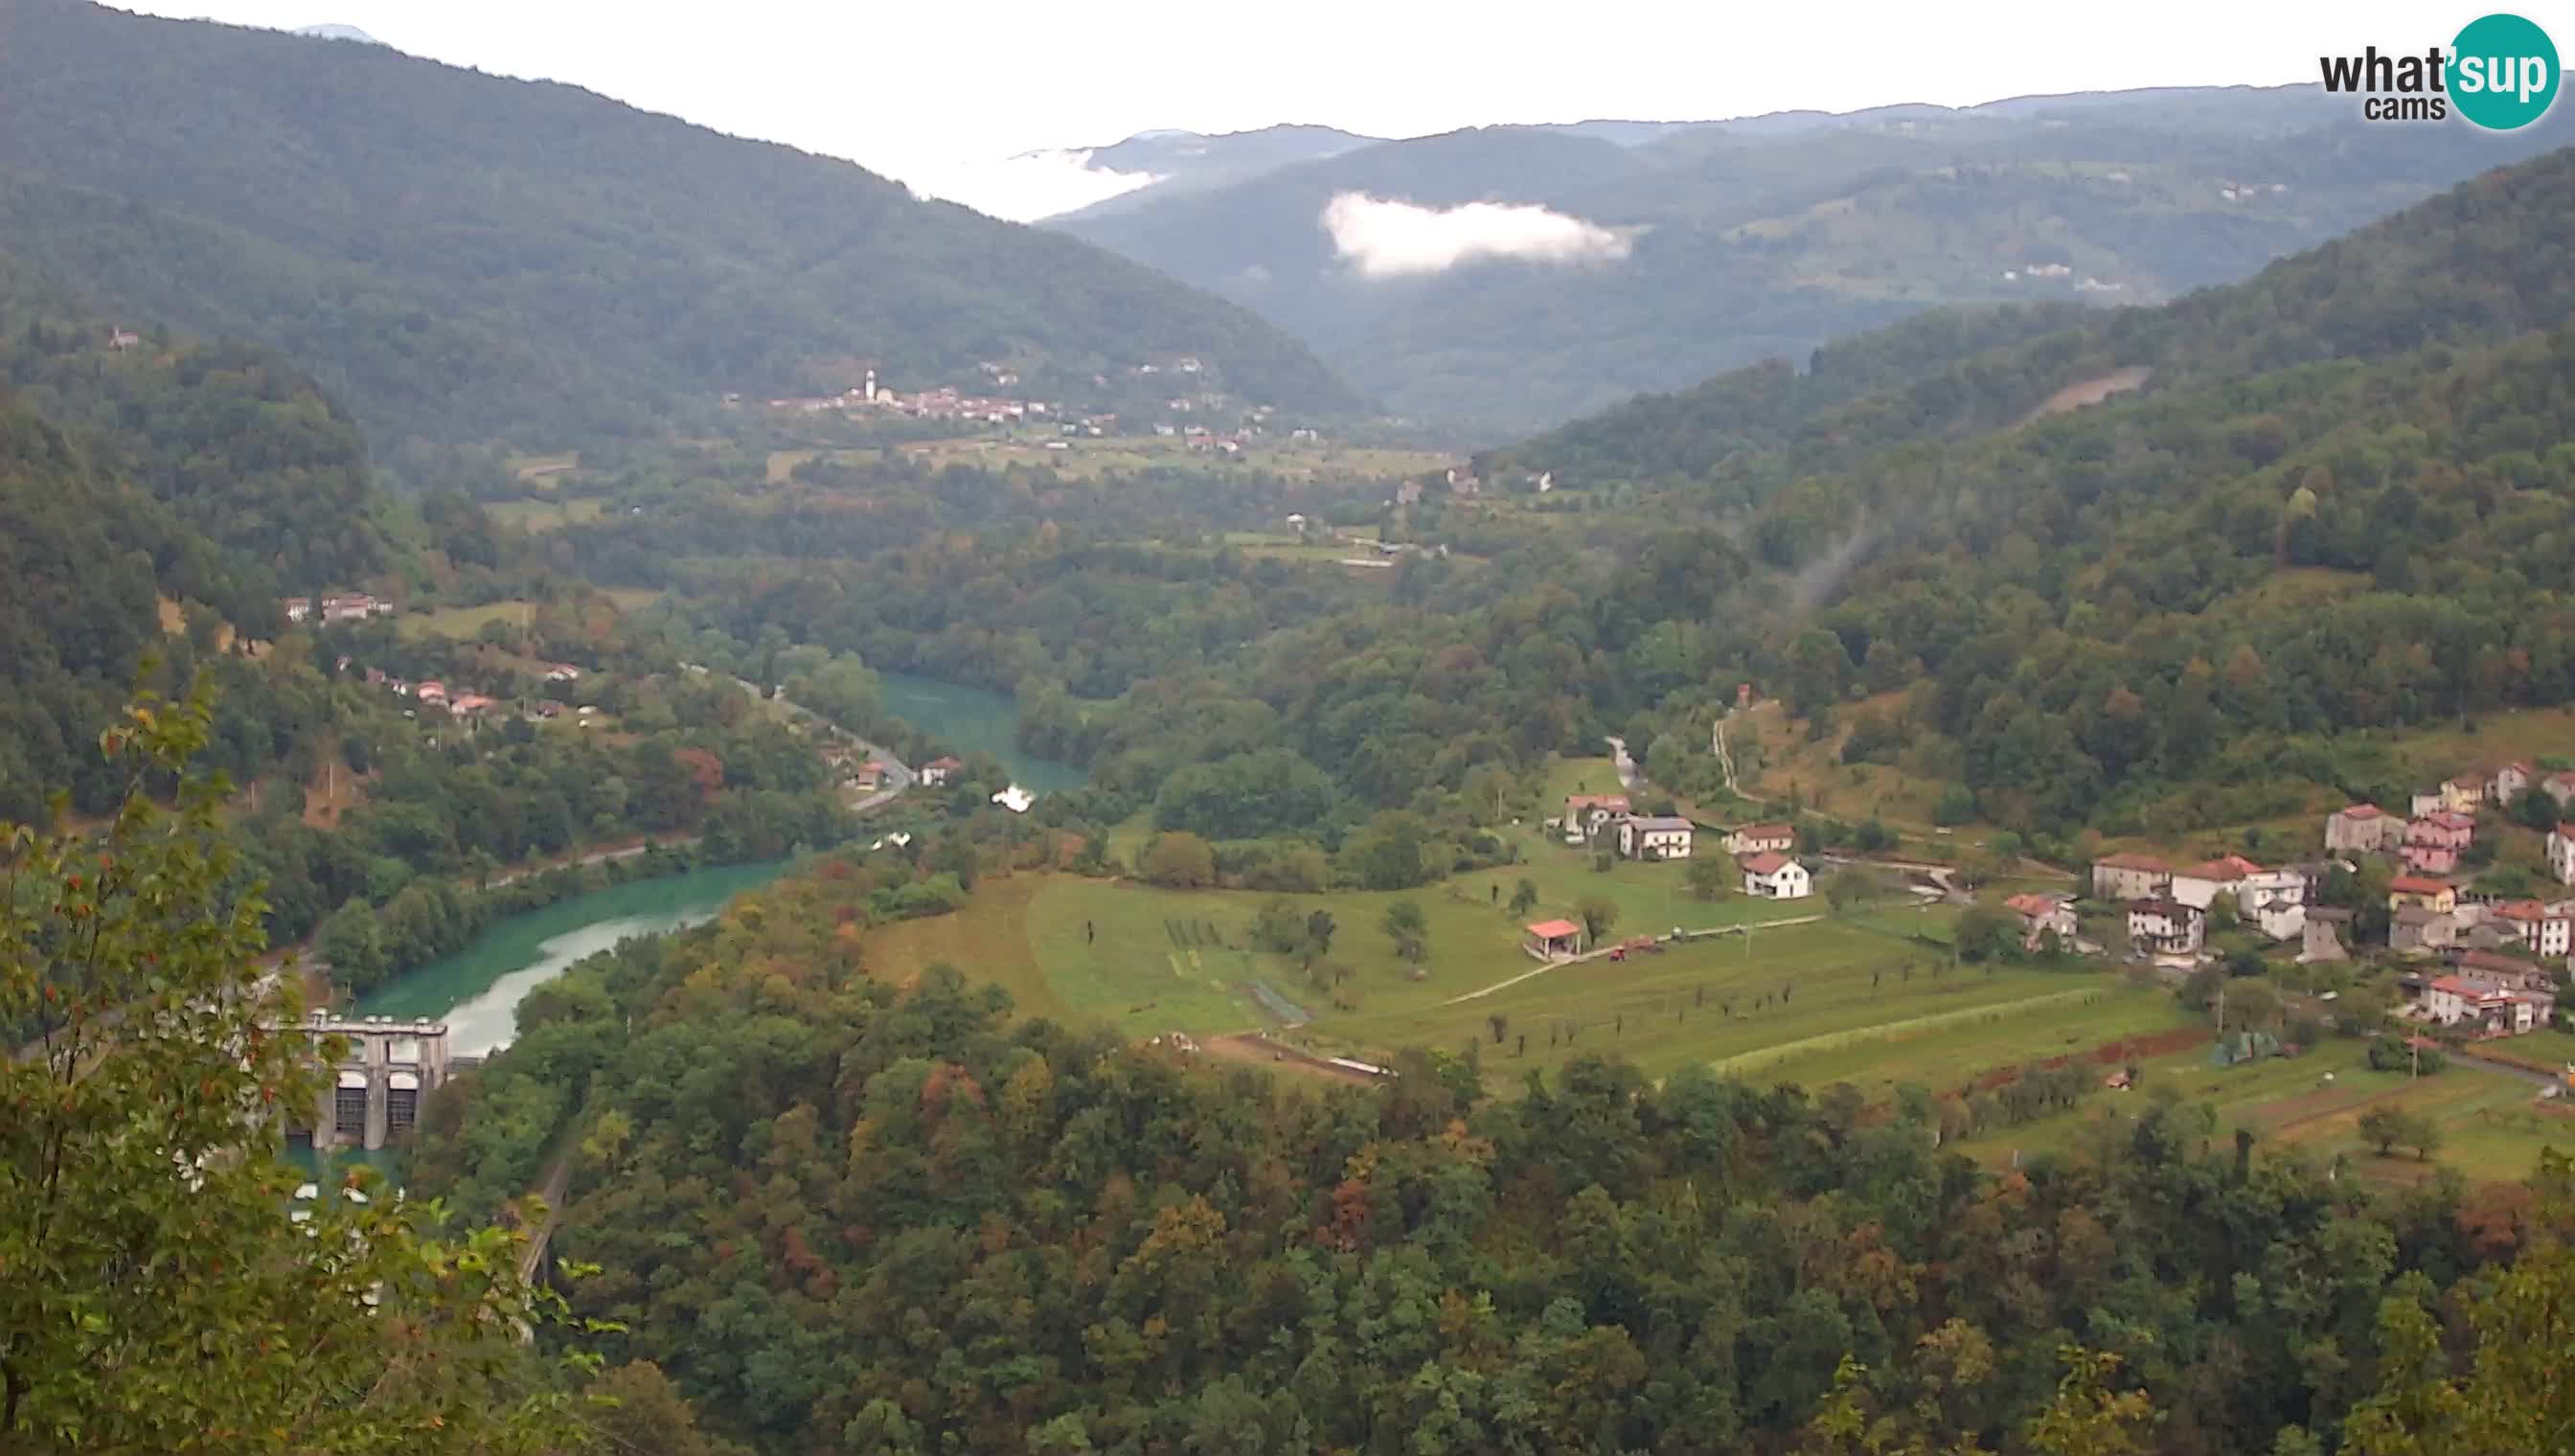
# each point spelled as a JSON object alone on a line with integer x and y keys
{"x": 1027, "y": 187}
{"x": 1387, "y": 239}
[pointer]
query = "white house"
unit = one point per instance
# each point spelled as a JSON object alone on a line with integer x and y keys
{"x": 936, "y": 772}
{"x": 1586, "y": 814}
{"x": 1655, "y": 836}
{"x": 2492, "y": 1009}
{"x": 2130, "y": 876}
{"x": 1775, "y": 877}
{"x": 2506, "y": 783}
{"x": 2166, "y": 927}
{"x": 2041, "y": 915}
{"x": 2201, "y": 883}
{"x": 2280, "y": 919}
{"x": 2561, "y": 853}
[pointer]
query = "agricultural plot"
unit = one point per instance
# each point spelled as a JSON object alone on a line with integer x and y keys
{"x": 459, "y": 622}
{"x": 1806, "y": 1005}
{"x": 2491, "y": 1125}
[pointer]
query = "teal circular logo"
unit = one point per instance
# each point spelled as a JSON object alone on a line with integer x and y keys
{"x": 2503, "y": 72}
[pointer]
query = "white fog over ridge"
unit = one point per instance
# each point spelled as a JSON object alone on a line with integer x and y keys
{"x": 1389, "y": 239}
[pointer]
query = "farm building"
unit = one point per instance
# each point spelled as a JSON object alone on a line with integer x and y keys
{"x": 1548, "y": 939}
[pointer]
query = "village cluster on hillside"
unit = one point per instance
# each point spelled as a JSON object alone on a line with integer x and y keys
{"x": 1764, "y": 858}
{"x": 2489, "y": 949}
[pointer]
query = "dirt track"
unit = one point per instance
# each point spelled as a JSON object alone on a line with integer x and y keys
{"x": 1256, "y": 1049}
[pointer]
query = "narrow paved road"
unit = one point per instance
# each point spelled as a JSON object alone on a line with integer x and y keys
{"x": 898, "y": 775}
{"x": 1627, "y": 767}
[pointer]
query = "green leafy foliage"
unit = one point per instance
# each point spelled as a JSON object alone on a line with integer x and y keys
{"x": 153, "y": 1293}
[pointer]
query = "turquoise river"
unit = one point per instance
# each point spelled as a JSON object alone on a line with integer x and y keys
{"x": 973, "y": 720}
{"x": 477, "y": 989}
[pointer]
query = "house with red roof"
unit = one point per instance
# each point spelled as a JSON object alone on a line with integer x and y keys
{"x": 2484, "y": 1007}
{"x": 1761, "y": 840}
{"x": 2041, "y": 915}
{"x": 1552, "y": 939}
{"x": 2434, "y": 843}
{"x": 2128, "y": 876}
{"x": 2364, "y": 829}
{"x": 2542, "y": 928}
{"x": 1772, "y": 875}
{"x": 1586, "y": 814}
{"x": 938, "y": 770}
{"x": 2435, "y": 895}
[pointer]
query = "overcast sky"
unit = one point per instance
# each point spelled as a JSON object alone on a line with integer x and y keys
{"x": 932, "y": 93}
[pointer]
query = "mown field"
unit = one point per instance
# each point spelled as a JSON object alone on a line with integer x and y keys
{"x": 1156, "y": 960}
{"x": 1810, "y": 1005}
{"x": 2492, "y": 1128}
{"x": 540, "y": 515}
{"x": 465, "y": 622}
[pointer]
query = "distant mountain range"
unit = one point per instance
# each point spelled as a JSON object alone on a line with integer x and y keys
{"x": 1504, "y": 279}
{"x": 465, "y": 257}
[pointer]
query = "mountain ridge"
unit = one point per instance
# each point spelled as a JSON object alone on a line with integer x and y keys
{"x": 1773, "y": 236}
{"x": 617, "y": 265}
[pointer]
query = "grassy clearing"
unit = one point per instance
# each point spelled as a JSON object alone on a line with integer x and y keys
{"x": 988, "y": 940}
{"x": 1148, "y": 960}
{"x": 543, "y": 467}
{"x": 1812, "y": 771}
{"x": 1575, "y": 776}
{"x": 2492, "y": 1130}
{"x": 1948, "y": 1052}
{"x": 461, "y": 622}
{"x": 553, "y": 513}
{"x": 465, "y": 622}
{"x": 1847, "y": 1007}
{"x": 2525, "y": 733}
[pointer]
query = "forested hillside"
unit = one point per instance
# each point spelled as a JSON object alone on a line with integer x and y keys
{"x": 846, "y": 1217}
{"x": 1753, "y": 240}
{"x": 141, "y": 468}
{"x": 464, "y": 256}
{"x": 236, "y": 442}
{"x": 2460, "y": 267}
{"x": 2372, "y": 428}
{"x": 2333, "y": 505}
